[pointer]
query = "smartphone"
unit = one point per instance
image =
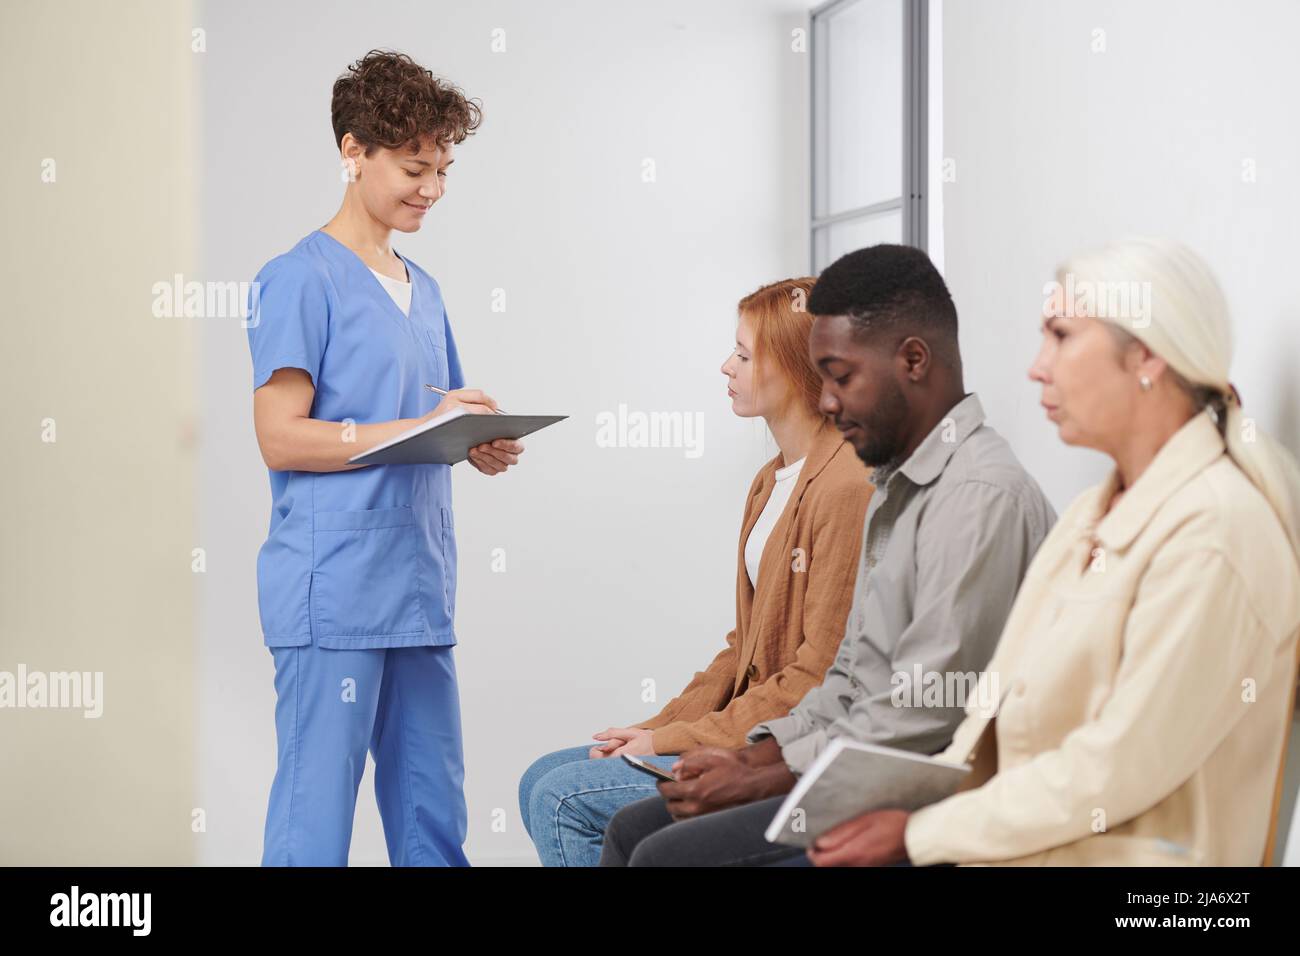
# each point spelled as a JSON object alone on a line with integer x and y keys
{"x": 649, "y": 768}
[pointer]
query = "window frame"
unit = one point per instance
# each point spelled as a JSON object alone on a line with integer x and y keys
{"x": 912, "y": 201}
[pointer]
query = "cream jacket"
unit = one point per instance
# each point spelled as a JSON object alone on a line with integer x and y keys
{"x": 1146, "y": 674}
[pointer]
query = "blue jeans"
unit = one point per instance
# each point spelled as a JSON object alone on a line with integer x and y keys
{"x": 567, "y": 798}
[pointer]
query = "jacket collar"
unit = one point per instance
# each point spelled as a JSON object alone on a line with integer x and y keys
{"x": 1188, "y": 452}
{"x": 931, "y": 457}
{"x": 826, "y": 442}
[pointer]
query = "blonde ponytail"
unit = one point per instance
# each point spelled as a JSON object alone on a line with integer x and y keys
{"x": 1165, "y": 295}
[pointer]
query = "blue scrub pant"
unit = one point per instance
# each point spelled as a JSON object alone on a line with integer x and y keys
{"x": 332, "y": 706}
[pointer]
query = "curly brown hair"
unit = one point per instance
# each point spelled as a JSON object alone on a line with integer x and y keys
{"x": 387, "y": 99}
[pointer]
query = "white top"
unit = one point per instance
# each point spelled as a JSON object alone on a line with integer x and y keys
{"x": 785, "y": 480}
{"x": 400, "y": 291}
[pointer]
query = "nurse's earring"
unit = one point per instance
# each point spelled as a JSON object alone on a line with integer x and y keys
{"x": 352, "y": 172}
{"x": 1145, "y": 382}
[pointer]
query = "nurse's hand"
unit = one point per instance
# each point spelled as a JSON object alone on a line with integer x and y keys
{"x": 473, "y": 400}
{"x": 492, "y": 458}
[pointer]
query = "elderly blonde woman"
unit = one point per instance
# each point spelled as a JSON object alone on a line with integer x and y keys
{"x": 1148, "y": 667}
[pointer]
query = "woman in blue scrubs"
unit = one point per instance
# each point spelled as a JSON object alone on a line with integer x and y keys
{"x": 357, "y": 577}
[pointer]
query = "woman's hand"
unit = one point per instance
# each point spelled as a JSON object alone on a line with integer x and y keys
{"x": 624, "y": 740}
{"x": 490, "y": 458}
{"x": 473, "y": 400}
{"x": 873, "y": 839}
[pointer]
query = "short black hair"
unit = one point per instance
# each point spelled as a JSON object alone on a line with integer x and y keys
{"x": 888, "y": 288}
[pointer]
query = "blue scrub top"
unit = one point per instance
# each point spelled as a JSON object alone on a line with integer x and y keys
{"x": 367, "y": 557}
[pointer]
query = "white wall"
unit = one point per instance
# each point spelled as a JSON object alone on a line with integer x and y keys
{"x": 621, "y": 562}
{"x": 1058, "y": 147}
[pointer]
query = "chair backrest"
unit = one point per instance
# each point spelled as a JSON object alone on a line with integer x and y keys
{"x": 1271, "y": 842}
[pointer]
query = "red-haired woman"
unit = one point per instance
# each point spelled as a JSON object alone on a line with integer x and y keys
{"x": 796, "y": 562}
{"x": 357, "y": 578}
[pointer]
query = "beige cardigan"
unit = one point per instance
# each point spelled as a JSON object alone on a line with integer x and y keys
{"x": 1146, "y": 676}
{"x": 788, "y": 628}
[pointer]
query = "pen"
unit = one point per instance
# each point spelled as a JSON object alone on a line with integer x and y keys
{"x": 443, "y": 391}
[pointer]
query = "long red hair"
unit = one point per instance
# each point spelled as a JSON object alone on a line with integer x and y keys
{"x": 781, "y": 322}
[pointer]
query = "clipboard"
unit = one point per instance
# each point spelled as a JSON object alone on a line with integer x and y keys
{"x": 448, "y": 438}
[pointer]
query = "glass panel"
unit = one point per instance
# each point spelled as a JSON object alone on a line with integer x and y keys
{"x": 859, "y": 116}
{"x": 831, "y": 242}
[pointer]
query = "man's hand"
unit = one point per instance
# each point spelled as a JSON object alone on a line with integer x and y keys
{"x": 873, "y": 839}
{"x": 623, "y": 740}
{"x": 492, "y": 458}
{"x": 711, "y": 778}
{"x": 767, "y": 751}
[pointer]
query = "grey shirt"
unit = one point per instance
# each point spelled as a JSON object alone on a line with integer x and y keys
{"x": 948, "y": 536}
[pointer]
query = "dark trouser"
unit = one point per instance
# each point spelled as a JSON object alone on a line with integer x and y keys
{"x": 644, "y": 834}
